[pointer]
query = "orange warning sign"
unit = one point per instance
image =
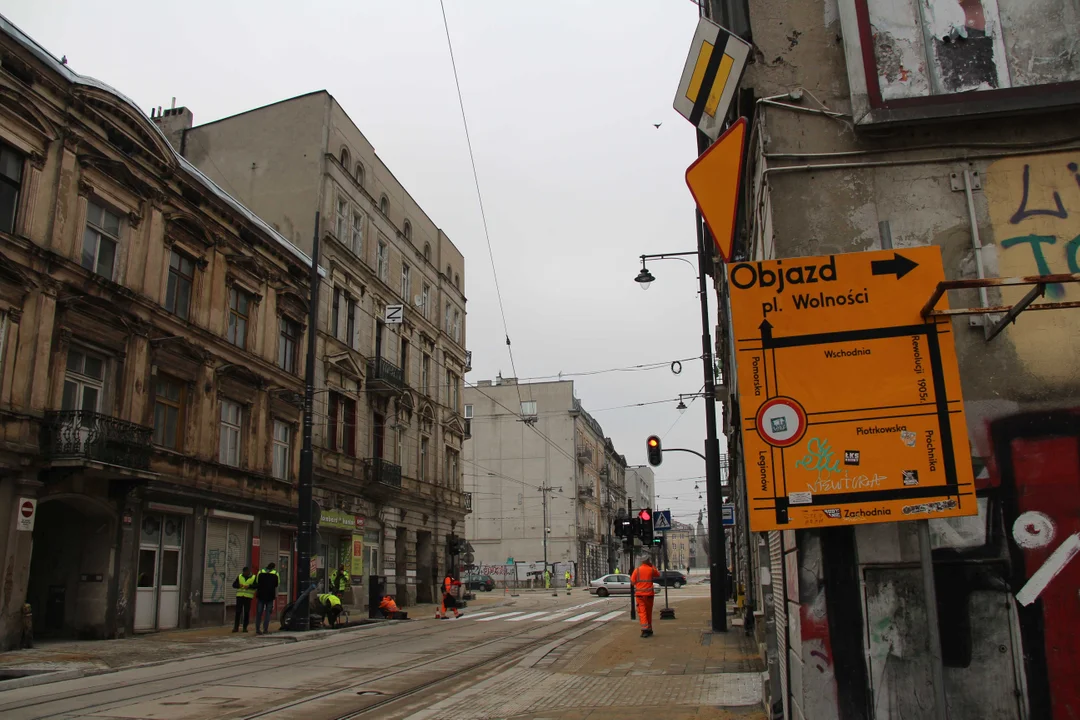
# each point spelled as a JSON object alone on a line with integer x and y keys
{"x": 850, "y": 400}
{"x": 713, "y": 180}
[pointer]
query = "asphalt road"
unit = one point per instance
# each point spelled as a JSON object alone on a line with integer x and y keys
{"x": 387, "y": 671}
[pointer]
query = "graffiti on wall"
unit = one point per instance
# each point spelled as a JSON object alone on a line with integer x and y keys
{"x": 1034, "y": 204}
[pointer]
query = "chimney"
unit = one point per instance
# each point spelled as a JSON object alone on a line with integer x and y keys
{"x": 173, "y": 122}
{"x": 484, "y": 383}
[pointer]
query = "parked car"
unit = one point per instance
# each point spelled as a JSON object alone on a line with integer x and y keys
{"x": 612, "y": 585}
{"x": 672, "y": 578}
{"x": 479, "y": 582}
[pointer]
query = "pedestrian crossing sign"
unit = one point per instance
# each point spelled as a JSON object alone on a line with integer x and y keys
{"x": 661, "y": 520}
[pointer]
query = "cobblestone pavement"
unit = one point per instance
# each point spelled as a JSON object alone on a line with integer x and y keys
{"x": 683, "y": 671}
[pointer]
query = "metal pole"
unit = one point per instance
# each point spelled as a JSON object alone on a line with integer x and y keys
{"x": 926, "y": 560}
{"x": 715, "y": 500}
{"x": 544, "y": 529}
{"x": 305, "y": 521}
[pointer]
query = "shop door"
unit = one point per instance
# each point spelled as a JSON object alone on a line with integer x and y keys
{"x": 157, "y": 597}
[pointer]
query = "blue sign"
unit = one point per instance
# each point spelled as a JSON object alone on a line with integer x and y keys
{"x": 661, "y": 520}
{"x": 727, "y": 516}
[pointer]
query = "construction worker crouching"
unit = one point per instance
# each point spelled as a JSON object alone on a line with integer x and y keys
{"x": 449, "y": 598}
{"x": 331, "y": 605}
{"x": 642, "y": 579}
{"x": 388, "y": 606}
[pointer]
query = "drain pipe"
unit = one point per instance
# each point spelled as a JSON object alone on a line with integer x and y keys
{"x": 976, "y": 243}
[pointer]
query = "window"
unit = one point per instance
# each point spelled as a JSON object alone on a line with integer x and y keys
{"x": 288, "y": 342}
{"x": 449, "y": 272}
{"x": 425, "y": 372}
{"x": 100, "y": 239}
{"x": 229, "y": 445}
{"x": 452, "y": 390}
{"x": 341, "y": 427}
{"x": 423, "y": 464}
{"x": 360, "y": 174}
{"x": 468, "y": 412}
{"x": 528, "y": 408}
{"x": 335, "y": 314}
{"x": 457, "y": 281}
{"x": 406, "y": 283}
{"x": 451, "y": 468}
{"x": 425, "y": 295}
{"x": 178, "y": 290}
{"x": 350, "y": 321}
{"x": 403, "y": 358}
{"x": 169, "y": 399}
{"x": 446, "y": 319}
{"x": 239, "y": 312}
{"x": 344, "y": 157}
{"x": 281, "y": 462}
{"x": 399, "y": 447}
{"x": 84, "y": 382}
{"x": 358, "y": 234}
{"x": 457, "y": 326}
{"x": 406, "y": 230}
{"x": 11, "y": 166}
{"x": 382, "y": 261}
{"x": 427, "y": 251}
{"x": 342, "y": 220}
{"x": 384, "y": 205}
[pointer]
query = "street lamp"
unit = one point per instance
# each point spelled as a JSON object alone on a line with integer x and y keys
{"x": 717, "y": 551}
{"x": 681, "y": 407}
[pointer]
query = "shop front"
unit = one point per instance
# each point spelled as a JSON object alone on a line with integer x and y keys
{"x": 340, "y": 542}
{"x": 160, "y": 566}
{"x": 277, "y": 544}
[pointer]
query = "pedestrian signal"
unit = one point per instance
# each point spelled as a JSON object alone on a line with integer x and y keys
{"x": 654, "y": 450}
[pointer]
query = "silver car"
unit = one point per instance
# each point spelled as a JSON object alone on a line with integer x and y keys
{"x": 613, "y": 585}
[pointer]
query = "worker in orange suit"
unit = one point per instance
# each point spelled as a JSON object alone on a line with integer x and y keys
{"x": 642, "y": 580}
{"x": 388, "y": 606}
{"x": 449, "y": 598}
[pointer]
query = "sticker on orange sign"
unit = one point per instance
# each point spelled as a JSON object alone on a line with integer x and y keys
{"x": 850, "y": 400}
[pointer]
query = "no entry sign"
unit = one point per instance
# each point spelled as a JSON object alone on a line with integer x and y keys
{"x": 27, "y": 512}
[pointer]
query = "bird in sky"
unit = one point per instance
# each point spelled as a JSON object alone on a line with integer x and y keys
{"x": 657, "y": 125}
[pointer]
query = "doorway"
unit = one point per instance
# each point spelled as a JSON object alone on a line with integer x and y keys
{"x": 401, "y": 562}
{"x": 425, "y": 579}
{"x": 157, "y": 595}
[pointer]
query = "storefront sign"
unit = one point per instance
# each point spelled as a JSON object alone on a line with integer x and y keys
{"x": 341, "y": 520}
{"x": 357, "y": 556}
{"x": 165, "y": 507}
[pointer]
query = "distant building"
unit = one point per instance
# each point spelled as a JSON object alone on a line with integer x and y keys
{"x": 678, "y": 545}
{"x": 640, "y": 486}
{"x": 528, "y": 441}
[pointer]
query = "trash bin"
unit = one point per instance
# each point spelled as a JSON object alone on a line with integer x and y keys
{"x": 376, "y": 590}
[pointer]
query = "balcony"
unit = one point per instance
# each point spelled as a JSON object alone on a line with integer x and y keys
{"x": 377, "y": 470}
{"x": 384, "y": 376}
{"x": 82, "y": 436}
{"x": 584, "y": 455}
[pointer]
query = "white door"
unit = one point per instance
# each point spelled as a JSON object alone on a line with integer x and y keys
{"x": 168, "y": 615}
{"x": 146, "y": 588}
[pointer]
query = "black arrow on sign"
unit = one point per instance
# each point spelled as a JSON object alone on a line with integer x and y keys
{"x": 766, "y": 332}
{"x": 898, "y": 266}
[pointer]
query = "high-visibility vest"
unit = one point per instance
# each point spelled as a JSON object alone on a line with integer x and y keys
{"x": 448, "y": 584}
{"x": 642, "y": 578}
{"x": 388, "y": 604}
{"x": 247, "y": 587}
{"x": 330, "y": 598}
{"x": 337, "y": 577}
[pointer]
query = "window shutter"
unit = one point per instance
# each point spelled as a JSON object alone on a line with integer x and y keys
{"x": 239, "y": 547}
{"x": 215, "y": 572}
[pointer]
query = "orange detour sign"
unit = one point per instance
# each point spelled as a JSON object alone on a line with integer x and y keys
{"x": 713, "y": 180}
{"x": 851, "y": 401}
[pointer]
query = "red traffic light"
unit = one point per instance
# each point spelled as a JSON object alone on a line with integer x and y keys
{"x": 644, "y": 515}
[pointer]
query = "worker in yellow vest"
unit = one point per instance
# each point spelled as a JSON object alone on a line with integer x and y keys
{"x": 331, "y": 606}
{"x": 569, "y": 581}
{"x": 245, "y": 593}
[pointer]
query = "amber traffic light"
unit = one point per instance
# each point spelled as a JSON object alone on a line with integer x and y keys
{"x": 654, "y": 451}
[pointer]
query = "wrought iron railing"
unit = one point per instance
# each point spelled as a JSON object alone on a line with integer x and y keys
{"x": 79, "y": 434}
{"x": 379, "y": 368}
{"x": 383, "y": 472}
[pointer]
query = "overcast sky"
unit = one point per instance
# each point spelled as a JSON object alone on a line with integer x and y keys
{"x": 561, "y": 97}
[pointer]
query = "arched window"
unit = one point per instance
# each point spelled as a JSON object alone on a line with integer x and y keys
{"x": 449, "y": 272}
{"x": 457, "y": 281}
{"x": 406, "y": 230}
{"x": 384, "y": 205}
{"x": 360, "y": 174}
{"x": 427, "y": 251}
{"x": 345, "y": 158}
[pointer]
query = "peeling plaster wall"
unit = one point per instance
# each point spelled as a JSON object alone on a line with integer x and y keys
{"x": 1021, "y": 391}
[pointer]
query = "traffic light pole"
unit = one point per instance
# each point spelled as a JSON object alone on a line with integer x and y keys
{"x": 715, "y": 500}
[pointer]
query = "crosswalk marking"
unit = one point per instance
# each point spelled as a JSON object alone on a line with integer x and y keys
{"x": 582, "y": 616}
{"x": 609, "y": 616}
{"x": 529, "y": 616}
{"x": 473, "y": 616}
{"x": 501, "y": 617}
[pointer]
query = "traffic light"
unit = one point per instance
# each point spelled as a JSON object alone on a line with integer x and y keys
{"x": 654, "y": 451}
{"x": 645, "y": 523}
